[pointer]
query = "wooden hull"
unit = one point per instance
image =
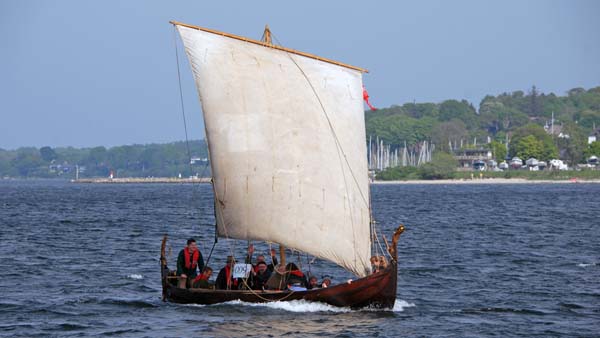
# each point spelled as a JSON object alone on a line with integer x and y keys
{"x": 377, "y": 290}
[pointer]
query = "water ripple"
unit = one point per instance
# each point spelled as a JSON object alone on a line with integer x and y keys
{"x": 509, "y": 261}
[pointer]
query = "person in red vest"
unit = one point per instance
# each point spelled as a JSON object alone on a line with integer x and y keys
{"x": 202, "y": 281}
{"x": 225, "y": 280}
{"x": 189, "y": 262}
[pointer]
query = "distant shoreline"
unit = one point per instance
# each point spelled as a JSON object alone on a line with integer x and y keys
{"x": 136, "y": 180}
{"x": 447, "y": 181}
{"x": 175, "y": 180}
{"x": 490, "y": 181}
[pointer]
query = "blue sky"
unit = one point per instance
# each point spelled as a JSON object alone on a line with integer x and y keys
{"x": 88, "y": 73}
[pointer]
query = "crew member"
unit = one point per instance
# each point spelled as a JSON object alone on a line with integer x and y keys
{"x": 189, "y": 262}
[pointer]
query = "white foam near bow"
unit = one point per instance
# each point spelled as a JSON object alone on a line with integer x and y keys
{"x": 135, "y": 276}
{"x": 306, "y": 306}
{"x": 400, "y": 305}
{"x": 583, "y": 265}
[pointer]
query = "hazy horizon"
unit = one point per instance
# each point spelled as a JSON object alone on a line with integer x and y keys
{"x": 87, "y": 74}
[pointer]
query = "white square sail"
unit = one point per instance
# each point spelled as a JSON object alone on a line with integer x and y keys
{"x": 286, "y": 135}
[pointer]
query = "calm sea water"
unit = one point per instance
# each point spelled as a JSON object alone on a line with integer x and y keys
{"x": 475, "y": 261}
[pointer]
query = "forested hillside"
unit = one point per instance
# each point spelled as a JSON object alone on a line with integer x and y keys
{"x": 516, "y": 117}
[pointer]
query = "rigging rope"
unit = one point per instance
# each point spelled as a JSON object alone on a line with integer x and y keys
{"x": 194, "y": 190}
{"x": 195, "y": 185}
{"x": 263, "y": 298}
{"x": 187, "y": 143}
{"x": 210, "y": 254}
{"x": 372, "y": 222}
{"x": 379, "y": 244}
{"x": 216, "y": 199}
{"x": 308, "y": 263}
{"x": 329, "y": 123}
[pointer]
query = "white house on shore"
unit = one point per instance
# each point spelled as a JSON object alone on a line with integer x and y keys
{"x": 594, "y": 136}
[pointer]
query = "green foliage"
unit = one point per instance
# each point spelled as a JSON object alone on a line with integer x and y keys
{"x": 397, "y": 129}
{"x": 573, "y": 146}
{"x": 442, "y": 166}
{"x": 399, "y": 174}
{"x": 48, "y": 154}
{"x": 419, "y": 110}
{"x": 516, "y": 115}
{"x": 455, "y": 110}
{"x": 593, "y": 149}
{"x": 27, "y": 162}
{"x": 588, "y": 118}
{"x": 534, "y": 107}
{"x": 529, "y": 146}
{"x": 538, "y": 143}
{"x": 498, "y": 150}
{"x": 166, "y": 160}
{"x": 97, "y": 155}
{"x": 448, "y": 132}
{"x": 495, "y": 116}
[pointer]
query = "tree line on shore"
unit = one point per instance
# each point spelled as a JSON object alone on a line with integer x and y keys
{"x": 150, "y": 160}
{"x": 515, "y": 117}
{"x": 525, "y": 125}
{"x": 532, "y": 124}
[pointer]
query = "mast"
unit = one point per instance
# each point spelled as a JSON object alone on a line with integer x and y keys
{"x": 266, "y": 38}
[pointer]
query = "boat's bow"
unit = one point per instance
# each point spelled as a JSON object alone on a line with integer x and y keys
{"x": 393, "y": 249}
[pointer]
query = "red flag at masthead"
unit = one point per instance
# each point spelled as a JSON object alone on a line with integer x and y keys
{"x": 366, "y": 98}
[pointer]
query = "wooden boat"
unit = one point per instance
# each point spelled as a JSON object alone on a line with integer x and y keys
{"x": 287, "y": 146}
{"x": 377, "y": 290}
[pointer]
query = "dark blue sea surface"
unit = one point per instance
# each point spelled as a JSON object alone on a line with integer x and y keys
{"x": 475, "y": 261}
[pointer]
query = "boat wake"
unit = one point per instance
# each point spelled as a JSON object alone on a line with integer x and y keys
{"x": 135, "y": 276}
{"x": 401, "y": 304}
{"x": 585, "y": 265}
{"x": 304, "y": 306}
{"x": 296, "y": 306}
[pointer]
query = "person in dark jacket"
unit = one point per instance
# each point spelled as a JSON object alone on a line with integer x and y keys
{"x": 189, "y": 262}
{"x": 249, "y": 254}
{"x": 295, "y": 277}
{"x": 225, "y": 280}
{"x": 274, "y": 261}
{"x": 313, "y": 283}
{"x": 261, "y": 258}
{"x": 202, "y": 281}
{"x": 260, "y": 276}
